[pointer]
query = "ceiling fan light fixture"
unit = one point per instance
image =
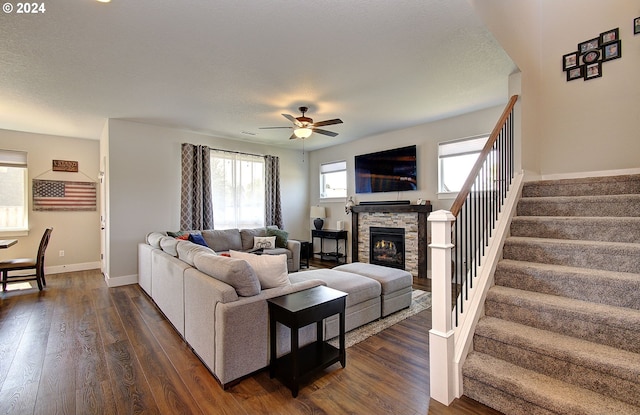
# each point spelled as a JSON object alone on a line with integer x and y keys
{"x": 302, "y": 132}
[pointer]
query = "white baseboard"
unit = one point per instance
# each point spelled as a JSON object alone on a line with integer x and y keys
{"x": 119, "y": 281}
{"x": 584, "y": 174}
{"x": 59, "y": 269}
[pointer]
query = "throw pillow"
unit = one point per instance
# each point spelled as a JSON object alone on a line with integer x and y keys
{"x": 281, "y": 237}
{"x": 264, "y": 242}
{"x": 184, "y": 237}
{"x": 196, "y": 238}
{"x": 236, "y": 273}
{"x": 177, "y": 234}
{"x": 270, "y": 269}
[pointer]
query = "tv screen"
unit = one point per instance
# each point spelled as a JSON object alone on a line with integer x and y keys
{"x": 387, "y": 171}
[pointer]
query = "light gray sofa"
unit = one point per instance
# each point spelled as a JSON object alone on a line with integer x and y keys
{"x": 218, "y": 307}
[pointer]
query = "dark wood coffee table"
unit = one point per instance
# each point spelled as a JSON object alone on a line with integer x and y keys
{"x": 297, "y": 310}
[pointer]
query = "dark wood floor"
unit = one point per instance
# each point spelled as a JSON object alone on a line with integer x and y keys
{"x": 79, "y": 347}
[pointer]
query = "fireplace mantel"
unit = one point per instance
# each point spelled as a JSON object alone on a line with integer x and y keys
{"x": 421, "y": 210}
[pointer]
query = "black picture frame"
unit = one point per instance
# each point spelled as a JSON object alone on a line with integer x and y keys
{"x": 636, "y": 25}
{"x": 570, "y": 60}
{"x": 612, "y": 51}
{"x": 588, "y": 45}
{"x": 590, "y": 56}
{"x": 609, "y": 36}
{"x": 592, "y": 71}
{"x": 575, "y": 73}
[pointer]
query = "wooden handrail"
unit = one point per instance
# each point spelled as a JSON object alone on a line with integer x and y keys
{"x": 466, "y": 188}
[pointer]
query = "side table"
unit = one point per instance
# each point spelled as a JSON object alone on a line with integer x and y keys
{"x": 336, "y": 235}
{"x": 297, "y": 310}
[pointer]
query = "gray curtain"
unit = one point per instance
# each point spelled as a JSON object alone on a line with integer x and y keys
{"x": 272, "y": 205}
{"x": 196, "y": 207}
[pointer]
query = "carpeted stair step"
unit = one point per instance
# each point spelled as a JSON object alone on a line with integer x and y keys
{"x": 609, "y": 229}
{"x": 627, "y": 205}
{"x": 610, "y": 256}
{"x": 514, "y": 390}
{"x": 602, "y": 369}
{"x": 604, "y": 324}
{"x": 610, "y": 185}
{"x": 619, "y": 289}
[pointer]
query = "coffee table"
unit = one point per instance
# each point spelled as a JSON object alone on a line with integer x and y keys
{"x": 297, "y": 310}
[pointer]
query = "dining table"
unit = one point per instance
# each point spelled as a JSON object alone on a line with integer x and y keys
{"x": 6, "y": 243}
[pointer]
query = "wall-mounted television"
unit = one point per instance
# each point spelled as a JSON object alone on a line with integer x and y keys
{"x": 387, "y": 171}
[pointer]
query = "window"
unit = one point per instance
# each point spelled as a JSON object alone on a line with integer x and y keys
{"x": 455, "y": 160}
{"x": 13, "y": 191}
{"x": 333, "y": 180}
{"x": 237, "y": 188}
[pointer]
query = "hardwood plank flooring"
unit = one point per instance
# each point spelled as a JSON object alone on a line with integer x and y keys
{"x": 79, "y": 347}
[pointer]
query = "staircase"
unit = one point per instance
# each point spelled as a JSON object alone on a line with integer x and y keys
{"x": 561, "y": 332}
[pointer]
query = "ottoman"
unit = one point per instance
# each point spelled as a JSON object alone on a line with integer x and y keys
{"x": 395, "y": 283}
{"x": 363, "y": 299}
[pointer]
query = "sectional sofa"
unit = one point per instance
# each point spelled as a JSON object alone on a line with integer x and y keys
{"x": 218, "y": 303}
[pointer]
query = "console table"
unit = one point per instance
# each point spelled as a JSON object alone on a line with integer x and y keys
{"x": 295, "y": 311}
{"x": 331, "y": 234}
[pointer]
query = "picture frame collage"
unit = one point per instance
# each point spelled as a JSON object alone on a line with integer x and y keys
{"x": 586, "y": 62}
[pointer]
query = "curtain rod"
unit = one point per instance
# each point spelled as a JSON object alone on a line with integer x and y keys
{"x": 239, "y": 152}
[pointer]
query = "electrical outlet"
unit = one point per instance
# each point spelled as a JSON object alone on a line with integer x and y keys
{"x": 61, "y": 253}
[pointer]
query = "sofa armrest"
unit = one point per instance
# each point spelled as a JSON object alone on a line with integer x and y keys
{"x": 294, "y": 247}
{"x": 201, "y": 295}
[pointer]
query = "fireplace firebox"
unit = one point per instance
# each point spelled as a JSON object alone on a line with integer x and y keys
{"x": 386, "y": 246}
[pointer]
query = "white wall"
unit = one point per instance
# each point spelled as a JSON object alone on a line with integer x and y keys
{"x": 76, "y": 233}
{"x": 143, "y": 181}
{"x": 578, "y": 126}
{"x": 426, "y": 137}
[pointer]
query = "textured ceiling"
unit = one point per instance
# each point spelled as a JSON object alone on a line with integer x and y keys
{"x": 228, "y": 67}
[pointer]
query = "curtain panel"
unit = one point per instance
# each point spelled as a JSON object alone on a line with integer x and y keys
{"x": 272, "y": 205}
{"x": 196, "y": 211}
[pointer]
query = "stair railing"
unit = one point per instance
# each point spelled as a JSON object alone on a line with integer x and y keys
{"x": 459, "y": 240}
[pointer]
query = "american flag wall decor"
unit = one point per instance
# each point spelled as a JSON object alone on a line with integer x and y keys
{"x": 63, "y": 195}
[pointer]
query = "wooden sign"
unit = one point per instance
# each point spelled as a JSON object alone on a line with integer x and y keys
{"x": 65, "y": 165}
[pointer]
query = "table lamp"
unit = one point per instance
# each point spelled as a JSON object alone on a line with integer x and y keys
{"x": 318, "y": 213}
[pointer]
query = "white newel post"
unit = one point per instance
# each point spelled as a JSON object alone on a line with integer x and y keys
{"x": 441, "y": 340}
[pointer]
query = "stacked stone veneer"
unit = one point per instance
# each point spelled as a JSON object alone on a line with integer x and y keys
{"x": 408, "y": 221}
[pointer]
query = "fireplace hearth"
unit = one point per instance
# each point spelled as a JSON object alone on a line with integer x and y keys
{"x": 386, "y": 246}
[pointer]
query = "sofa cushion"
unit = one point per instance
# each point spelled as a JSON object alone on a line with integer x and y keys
{"x": 187, "y": 251}
{"x": 278, "y": 251}
{"x": 281, "y": 237}
{"x": 235, "y": 272}
{"x": 247, "y": 236}
{"x": 264, "y": 242}
{"x": 223, "y": 240}
{"x": 168, "y": 245}
{"x": 271, "y": 269}
{"x": 153, "y": 238}
{"x": 359, "y": 288}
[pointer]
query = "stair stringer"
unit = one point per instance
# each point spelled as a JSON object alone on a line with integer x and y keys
{"x": 474, "y": 304}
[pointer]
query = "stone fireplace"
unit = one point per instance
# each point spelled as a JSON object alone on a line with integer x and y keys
{"x": 386, "y": 246}
{"x": 411, "y": 219}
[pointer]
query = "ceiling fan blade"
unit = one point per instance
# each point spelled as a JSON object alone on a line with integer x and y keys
{"x": 328, "y": 122}
{"x": 293, "y": 137}
{"x": 271, "y": 128}
{"x": 325, "y": 132}
{"x": 292, "y": 119}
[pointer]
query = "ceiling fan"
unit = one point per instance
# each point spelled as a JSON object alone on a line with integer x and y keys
{"x": 304, "y": 126}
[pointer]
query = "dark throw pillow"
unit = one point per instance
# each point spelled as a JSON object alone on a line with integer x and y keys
{"x": 281, "y": 237}
{"x": 196, "y": 238}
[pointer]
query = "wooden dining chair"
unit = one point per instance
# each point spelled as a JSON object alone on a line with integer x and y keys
{"x": 20, "y": 264}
